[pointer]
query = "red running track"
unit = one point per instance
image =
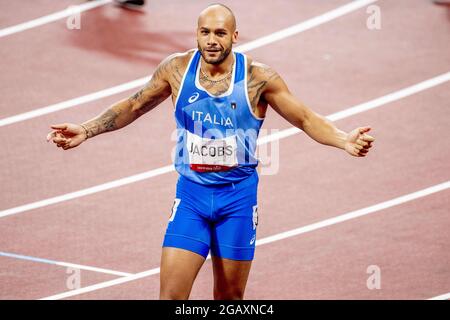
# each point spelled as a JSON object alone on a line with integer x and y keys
{"x": 121, "y": 229}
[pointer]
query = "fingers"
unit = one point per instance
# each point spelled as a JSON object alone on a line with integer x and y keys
{"x": 366, "y": 137}
{"x": 364, "y": 143}
{"x": 54, "y": 134}
{"x": 360, "y": 147}
{"x": 360, "y": 150}
{"x": 364, "y": 130}
{"x": 60, "y": 140}
{"x": 51, "y": 135}
{"x": 59, "y": 126}
{"x": 65, "y": 144}
{"x": 363, "y": 151}
{"x": 68, "y": 144}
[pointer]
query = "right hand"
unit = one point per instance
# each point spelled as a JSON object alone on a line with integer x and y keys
{"x": 67, "y": 135}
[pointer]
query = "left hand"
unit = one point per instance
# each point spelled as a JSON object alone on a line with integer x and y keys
{"x": 358, "y": 142}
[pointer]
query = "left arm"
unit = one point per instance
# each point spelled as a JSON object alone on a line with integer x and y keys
{"x": 277, "y": 94}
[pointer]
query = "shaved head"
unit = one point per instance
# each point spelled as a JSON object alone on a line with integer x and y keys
{"x": 219, "y": 12}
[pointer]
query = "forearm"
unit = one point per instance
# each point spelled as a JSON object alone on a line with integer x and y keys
{"x": 324, "y": 131}
{"x": 115, "y": 117}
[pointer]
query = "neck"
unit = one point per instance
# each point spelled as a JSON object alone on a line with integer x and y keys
{"x": 216, "y": 70}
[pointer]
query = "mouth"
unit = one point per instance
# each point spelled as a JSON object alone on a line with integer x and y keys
{"x": 212, "y": 50}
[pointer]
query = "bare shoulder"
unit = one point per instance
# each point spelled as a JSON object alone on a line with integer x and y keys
{"x": 261, "y": 72}
{"x": 180, "y": 59}
{"x": 261, "y": 78}
{"x": 174, "y": 67}
{"x": 164, "y": 81}
{"x": 174, "y": 63}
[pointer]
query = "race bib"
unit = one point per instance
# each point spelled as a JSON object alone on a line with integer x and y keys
{"x": 211, "y": 155}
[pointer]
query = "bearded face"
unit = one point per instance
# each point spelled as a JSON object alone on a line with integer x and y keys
{"x": 215, "y": 54}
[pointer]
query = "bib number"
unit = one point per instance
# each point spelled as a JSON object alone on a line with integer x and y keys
{"x": 211, "y": 155}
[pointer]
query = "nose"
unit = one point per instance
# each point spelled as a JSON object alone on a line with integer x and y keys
{"x": 212, "y": 40}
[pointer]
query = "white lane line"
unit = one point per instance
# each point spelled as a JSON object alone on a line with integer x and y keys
{"x": 445, "y": 296}
{"x": 64, "y": 264}
{"x": 88, "y": 191}
{"x": 372, "y": 104}
{"x": 357, "y": 213}
{"x": 306, "y": 25}
{"x": 75, "y": 102}
{"x": 263, "y": 41}
{"x": 277, "y": 237}
{"x": 52, "y": 17}
{"x": 266, "y": 139}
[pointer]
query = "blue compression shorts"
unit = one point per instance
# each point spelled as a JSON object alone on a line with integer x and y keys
{"x": 222, "y": 218}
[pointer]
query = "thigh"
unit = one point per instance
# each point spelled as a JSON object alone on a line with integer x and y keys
{"x": 232, "y": 250}
{"x": 233, "y": 234}
{"x": 230, "y": 278}
{"x": 185, "y": 247}
{"x": 187, "y": 228}
{"x": 179, "y": 268}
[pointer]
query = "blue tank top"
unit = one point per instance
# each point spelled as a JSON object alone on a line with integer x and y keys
{"x": 216, "y": 135}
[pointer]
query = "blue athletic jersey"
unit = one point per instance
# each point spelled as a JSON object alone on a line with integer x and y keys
{"x": 216, "y": 135}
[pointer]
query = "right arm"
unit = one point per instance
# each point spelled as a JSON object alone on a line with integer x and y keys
{"x": 120, "y": 114}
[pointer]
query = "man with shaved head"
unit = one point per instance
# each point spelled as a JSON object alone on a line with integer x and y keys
{"x": 220, "y": 98}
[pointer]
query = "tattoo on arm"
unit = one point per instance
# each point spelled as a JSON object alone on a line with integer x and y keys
{"x": 259, "y": 76}
{"x": 176, "y": 80}
{"x": 136, "y": 96}
{"x": 152, "y": 94}
{"x": 103, "y": 123}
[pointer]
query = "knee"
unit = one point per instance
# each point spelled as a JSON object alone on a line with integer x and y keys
{"x": 172, "y": 290}
{"x": 172, "y": 294}
{"x": 229, "y": 294}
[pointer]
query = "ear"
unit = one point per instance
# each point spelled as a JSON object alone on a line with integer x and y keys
{"x": 235, "y": 36}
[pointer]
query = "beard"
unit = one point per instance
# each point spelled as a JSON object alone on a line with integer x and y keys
{"x": 224, "y": 52}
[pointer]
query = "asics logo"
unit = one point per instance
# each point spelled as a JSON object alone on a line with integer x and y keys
{"x": 194, "y": 97}
{"x": 253, "y": 239}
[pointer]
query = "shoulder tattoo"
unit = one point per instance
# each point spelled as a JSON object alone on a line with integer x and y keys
{"x": 259, "y": 75}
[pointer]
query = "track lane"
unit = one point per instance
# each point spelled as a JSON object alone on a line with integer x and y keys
{"x": 433, "y": 160}
{"x": 82, "y": 223}
{"x": 16, "y": 12}
{"x": 28, "y": 280}
{"x": 306, "y": 88}
{"x": 337, "y": 268}
{"x": 103, "y": 53}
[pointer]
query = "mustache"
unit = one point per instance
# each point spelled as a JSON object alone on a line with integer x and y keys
{"x": 213, "y": 49}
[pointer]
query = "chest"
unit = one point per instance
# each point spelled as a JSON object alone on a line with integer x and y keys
{"x": 217, "y": 88}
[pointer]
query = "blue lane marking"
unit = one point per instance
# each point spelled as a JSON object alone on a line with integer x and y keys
{"x": 19, "y": 256}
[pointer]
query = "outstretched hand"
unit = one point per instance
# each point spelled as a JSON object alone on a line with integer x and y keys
{"x": 67, "y": 135}
{"x": 359, "y": 142}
